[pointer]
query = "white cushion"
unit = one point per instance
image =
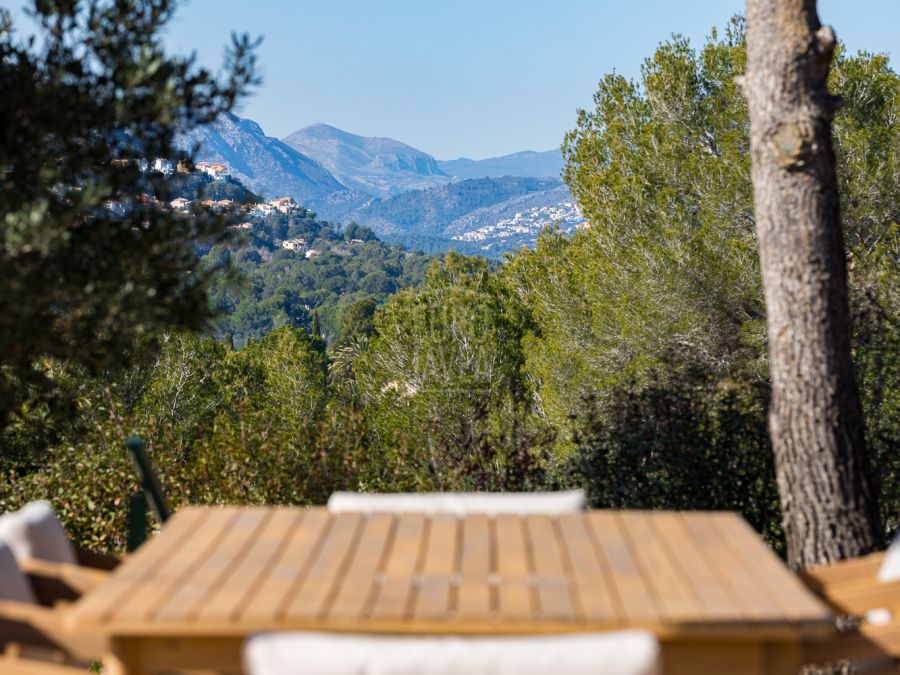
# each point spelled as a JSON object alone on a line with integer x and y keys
{"x": 13, "y": 582}
{"x": 890, "y": 568}
{"x": 460, "y": 503}
{"x": 35, "y": 532}
{"x": 622, "y": 653}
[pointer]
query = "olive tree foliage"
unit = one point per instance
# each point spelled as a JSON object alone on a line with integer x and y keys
{"x": 293, "y": 371}
{"x": 195, "y": 386}
{"x": 92, "y": 92}
{"x": 182, "y": 391}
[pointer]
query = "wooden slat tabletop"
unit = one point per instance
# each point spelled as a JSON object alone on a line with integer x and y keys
{"x": 229, "y": 571}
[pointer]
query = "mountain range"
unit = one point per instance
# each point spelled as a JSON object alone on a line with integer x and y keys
{"x": 406, "y": 195}
{"x": 527, "y": 164}
{"x": 378, "y": 166}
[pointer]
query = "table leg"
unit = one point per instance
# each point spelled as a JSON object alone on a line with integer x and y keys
{"x": 731, "y": 657}
{"x": 124, "y": 658}
{"x": 784, "y": 658}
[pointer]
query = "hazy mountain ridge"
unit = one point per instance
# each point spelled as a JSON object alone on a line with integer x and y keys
{"x": 528, "y": 164}
{"x": 261, "y": 162}
{"x": 339, "y": 207}
{"x": 430, "y": 212}
{"x": 403, "y": 194}
{"x": 485, "y": 216}
{"x": 379, "y": 166}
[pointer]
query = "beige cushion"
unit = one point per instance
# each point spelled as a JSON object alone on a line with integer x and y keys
{"x": 35, "y": 532}
{"x": 460, "y": 503}
{"x": 622, "y": 653}
{"x": 13, "y": 582}
{"x": 890, "y": 568}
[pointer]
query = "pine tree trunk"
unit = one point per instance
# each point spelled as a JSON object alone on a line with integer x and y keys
{"x": 816, "y": 422}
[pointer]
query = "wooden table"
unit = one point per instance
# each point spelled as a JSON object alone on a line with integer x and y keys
{"x": 704, "y": 583}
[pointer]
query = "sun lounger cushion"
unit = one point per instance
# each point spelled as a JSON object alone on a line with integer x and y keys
{"x": 13, "y": 582}
{"x": 491, "y": 503}
{"x": 35, "y": 532}
{"x": 621, "y": 653}
{"x": 890, "y": 568}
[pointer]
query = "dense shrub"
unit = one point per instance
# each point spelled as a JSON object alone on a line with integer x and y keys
{"x": 692, "y": 444}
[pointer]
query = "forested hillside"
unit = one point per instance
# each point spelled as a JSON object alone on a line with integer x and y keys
{"x": 485, "y": 216}
{"x": 271, "y": 286}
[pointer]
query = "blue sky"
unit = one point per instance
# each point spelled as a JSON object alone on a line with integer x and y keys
{"x": 472, "y": 78}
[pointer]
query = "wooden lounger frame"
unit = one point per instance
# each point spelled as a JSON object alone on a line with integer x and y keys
{"x": 35, "y": 638}
{"x": 852, "y": 588}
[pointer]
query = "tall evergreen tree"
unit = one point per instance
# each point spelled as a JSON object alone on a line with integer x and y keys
{"x": 87, "y": 261}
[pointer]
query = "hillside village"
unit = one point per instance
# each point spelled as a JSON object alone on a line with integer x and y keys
{"x": 487, "y": 231}
{"x": 217, "y": 172}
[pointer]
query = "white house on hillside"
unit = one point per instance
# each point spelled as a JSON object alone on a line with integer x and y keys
{"x": 261, "y": 210}
{"x": 163, "y": 166}
{"x": 214, "y": 170}
{"x": 294, "y": 244}
{"x": 284, "y": 204}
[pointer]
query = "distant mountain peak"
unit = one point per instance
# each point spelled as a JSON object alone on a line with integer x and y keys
{"x": 375, "y": 165}
{"x": 323, "y": 130}
{"x": 261, "y": 162}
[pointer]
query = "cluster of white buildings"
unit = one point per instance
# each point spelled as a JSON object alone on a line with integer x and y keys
{"x": 216, "y": 171}
{"x": 164, "y": 166}
{"x": 219, "y": 206}
{"x": 178, "y": 204}
{"x": 567, "y": 215}
{"x": 285, "y": 205}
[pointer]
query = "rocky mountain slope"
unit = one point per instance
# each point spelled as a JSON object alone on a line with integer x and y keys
{"x": 381, "y": 167}
{"x": 262, "y": 163}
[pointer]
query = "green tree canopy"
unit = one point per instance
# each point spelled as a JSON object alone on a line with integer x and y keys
{"x": 667, "y": 278}
{"x": 87, "y": 262}
{"x": 446, "y": 354}
{"x": 357, "y": 321}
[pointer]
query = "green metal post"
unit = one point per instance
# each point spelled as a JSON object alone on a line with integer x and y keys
{"x": 137, "y": 521}
{"x": 149, "y": 483}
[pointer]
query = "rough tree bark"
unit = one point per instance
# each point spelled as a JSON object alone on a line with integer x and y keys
{"x": 816, "y": 422}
